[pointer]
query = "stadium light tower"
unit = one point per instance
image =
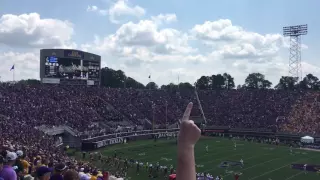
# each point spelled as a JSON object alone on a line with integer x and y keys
{"x": 295, "y": 33}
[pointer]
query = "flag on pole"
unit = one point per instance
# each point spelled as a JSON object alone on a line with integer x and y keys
{"x": 12, "y": 68}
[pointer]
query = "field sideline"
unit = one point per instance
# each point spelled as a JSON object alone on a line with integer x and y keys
{"x": 261, "y": 161}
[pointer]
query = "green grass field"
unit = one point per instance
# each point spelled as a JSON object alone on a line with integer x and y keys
{"x": 261, "y": 161}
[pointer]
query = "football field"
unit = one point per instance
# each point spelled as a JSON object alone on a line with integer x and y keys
{"x": 261, "y": 161}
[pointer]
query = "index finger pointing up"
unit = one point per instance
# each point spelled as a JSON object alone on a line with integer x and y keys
{"x": 187, "y": 112}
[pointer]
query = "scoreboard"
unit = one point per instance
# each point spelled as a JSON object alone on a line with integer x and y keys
{"x": 59, "y": 66}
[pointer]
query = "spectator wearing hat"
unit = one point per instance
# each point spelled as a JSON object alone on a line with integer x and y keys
{"x": 58, "y": 172}
{"x": 43, "y": 173}
{"x": 7, "y": 172}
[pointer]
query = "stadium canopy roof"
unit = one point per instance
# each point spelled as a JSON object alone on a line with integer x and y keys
{"x": 307, "y": 139}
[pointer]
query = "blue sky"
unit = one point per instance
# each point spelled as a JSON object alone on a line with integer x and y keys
{"x": 251, "y": 17}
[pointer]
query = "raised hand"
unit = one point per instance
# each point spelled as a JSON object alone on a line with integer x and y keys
{"x": 189, "y": 133}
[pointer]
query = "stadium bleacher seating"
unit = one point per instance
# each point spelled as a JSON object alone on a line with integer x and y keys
{"x": 97, "y": 111}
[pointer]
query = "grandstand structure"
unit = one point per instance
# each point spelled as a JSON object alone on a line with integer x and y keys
{"x": 78, "y": 112}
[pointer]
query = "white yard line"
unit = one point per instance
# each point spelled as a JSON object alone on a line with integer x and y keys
{"x": 170, "y": 152}
{"x": 268, "y": 172}
{"x": 210, "y": 155}
{"x": 260, "y": 164}
{"x": 294, "y": 175}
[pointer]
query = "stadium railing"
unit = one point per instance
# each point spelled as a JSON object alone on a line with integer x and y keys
{"x": 266, "y": 133}
{"x": 118, "y": 138}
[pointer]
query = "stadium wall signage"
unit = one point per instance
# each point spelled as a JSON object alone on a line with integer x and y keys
{"x": 94, "y": 144}
{"x": 110, "y": 142}
{"x": 164, "y": 135}
{"x": 110, "y": 139}
{"x": 74, "y": 54}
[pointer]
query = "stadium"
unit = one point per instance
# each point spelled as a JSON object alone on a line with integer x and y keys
{"x": 73, "y": 119}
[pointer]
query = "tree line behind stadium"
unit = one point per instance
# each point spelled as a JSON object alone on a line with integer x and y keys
{"x": 117, "y": 79}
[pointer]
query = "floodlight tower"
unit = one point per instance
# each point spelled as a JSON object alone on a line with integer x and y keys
{"x": 295, "y": 33}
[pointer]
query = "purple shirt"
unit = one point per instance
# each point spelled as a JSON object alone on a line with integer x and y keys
{"x": 8, "y": 173}
{"x": 56, "y": 177}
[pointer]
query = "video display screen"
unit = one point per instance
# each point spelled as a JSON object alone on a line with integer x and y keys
{"x": 70, "y": 68}
{"x": 91, "y": 69}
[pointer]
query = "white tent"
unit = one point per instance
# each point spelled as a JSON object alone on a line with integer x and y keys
{"x": 307, "y": 139}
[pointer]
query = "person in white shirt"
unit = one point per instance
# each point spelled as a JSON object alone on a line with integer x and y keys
{"x": 241, "y": 161}
{"x": 305, "y": 168}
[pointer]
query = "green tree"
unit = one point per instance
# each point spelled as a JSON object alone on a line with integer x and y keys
{"x": 217, "y": 81}
{"x": 203, "y": 82}
{"x": 185, "y": 85}
{"x": 287, "y": 83}
{"x": 117, "y": 79}
{"x": 256, "y": 81}
{"x": 170, "y": 86}
{"x": 29, "y": 81}
{"x": 151, "y": 85}
{"x": 310, "y": 82}
{"x": 132, "y": 83}
{"x": 229, "y": 81}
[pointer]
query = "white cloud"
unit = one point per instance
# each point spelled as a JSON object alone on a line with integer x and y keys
{"x": 122, "y": 8}
{"x": 150, "y": 46}
{"x": 145, "y": 42}
{"x": 234, "y": 42}
{"x": 118, "y": 10}
{"x": 97, "y": 10}
{"x": 30, "y": 31}
{"x": 230, "y": 49}
{"x": 164, "y": 18}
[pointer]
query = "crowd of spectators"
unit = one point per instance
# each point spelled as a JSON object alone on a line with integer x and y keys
{"x": 91, "y": 109}
{"x": 304, "y": 116}
{"x": 80, "y": 107}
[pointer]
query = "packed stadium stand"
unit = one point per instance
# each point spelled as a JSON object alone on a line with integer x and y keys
{"x": 93, "y": 111}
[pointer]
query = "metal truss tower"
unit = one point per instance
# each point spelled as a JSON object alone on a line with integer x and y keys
{"x": 295, "y": 33}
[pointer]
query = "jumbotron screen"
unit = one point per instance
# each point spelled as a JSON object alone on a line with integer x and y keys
{"x": 70, "y": 68}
